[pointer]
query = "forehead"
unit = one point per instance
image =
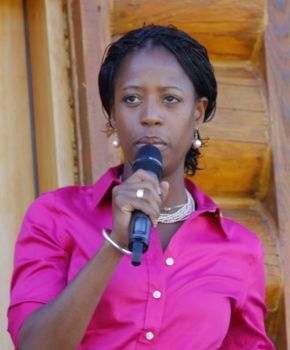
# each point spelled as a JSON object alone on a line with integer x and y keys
{"x": 152, "y": 63}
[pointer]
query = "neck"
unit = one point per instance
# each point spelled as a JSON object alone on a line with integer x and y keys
{"x": 176, "y": 194}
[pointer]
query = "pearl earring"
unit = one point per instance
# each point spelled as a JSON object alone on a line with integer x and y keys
{"x": 196, "y": 143}
{"x": 116, "y": 142}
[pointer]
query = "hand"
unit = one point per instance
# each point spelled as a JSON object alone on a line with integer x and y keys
{"x": 125, "y": 201}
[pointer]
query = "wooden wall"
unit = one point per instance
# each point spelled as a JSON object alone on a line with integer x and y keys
{"x": 16, "y": 169}
{"x": 277, "y": 39}
{"x": 230, "y": 30}
{"x": 51, "y": 109}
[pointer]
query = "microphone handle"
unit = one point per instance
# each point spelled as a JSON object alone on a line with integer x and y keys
{"x": 139, "y": 235}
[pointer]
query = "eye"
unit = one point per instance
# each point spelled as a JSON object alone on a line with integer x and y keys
{"x": 132, "y": 99}
{"x": 171, "y": 99}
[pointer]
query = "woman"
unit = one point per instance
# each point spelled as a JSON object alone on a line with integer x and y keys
{"x": 201, "y": 282}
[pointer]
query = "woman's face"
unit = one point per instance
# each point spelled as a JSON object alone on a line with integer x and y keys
{"x": 155, "y": 104}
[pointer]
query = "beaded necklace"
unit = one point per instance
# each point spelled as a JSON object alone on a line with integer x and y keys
{"x": 182, "y": 213}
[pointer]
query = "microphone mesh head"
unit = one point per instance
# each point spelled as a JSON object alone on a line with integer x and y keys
{"x": 149, "y": 158}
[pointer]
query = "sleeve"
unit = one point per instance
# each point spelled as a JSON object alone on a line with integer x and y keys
{"x": 247, "y": 328}
{"x": 40, "y": 262}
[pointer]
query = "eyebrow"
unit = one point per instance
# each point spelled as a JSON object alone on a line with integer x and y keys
{"x": 131, "y": 87}
{"x": 173, "y": 87}
{"x": 163, "y": 87}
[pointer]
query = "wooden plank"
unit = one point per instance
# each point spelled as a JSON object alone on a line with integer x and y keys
{"x": 240, "y": 74}
{"x": 240, "y": 97}
{"x": 60, "y": 92}
{"x": 277, "y": 38}
{"x": 240, "y": 107}
{"x": 228, "y": 29}
{"x": 242, "y": 79}
{"x": 45, "y": 138}
{"x": 90, "y": 34}
{"x": 16, "y": 169}
{"x": 237, "y": 125}
{"x": 51, "y": 94}
{"x": 231, "y": 169}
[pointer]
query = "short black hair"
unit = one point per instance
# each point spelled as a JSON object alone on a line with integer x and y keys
{"x": 190, "y": 54}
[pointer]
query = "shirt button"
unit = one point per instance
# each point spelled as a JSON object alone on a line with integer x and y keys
{"x": 149, "y": 335}
{"x": 156, "y": 294}
{"x": 169, "y": 261}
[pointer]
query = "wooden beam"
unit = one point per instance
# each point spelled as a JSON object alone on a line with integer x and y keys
{"x": 229, "y": 29}
{"x": 230, "y": 124}
{"x": 219, "y": 163}
{"x": 237, "y": 138}
{"x": 241, "y": 108}
{"x": 277, "y": 38}
{"x": 90, "y": 34}
{"x": 51, "y": 94}
{"x": 16, "y": 168}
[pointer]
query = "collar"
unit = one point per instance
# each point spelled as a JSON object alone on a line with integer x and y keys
{"x": 202, "y": 201}
{"x": 108, "y": 180}
{"x": 204, "y": 204}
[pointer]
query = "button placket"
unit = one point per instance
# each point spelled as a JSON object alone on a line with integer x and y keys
{"x": 157, "y": 293}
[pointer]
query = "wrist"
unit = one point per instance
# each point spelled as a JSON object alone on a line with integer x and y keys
{"x": 109, "y": 240}
{"x": 109, "y": 249}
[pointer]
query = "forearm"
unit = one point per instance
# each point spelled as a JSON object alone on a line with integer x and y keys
{"x": 61, "y": 324}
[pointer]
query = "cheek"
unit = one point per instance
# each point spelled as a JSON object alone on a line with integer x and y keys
{"x": 187, "y": 139}
{"x": 185, "y": 136}
{"x": 125, "y": 129}
{"x": 185, "y": 127}
{"x": 126, "y": 134}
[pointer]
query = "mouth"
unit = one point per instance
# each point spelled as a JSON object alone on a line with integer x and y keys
{"x": 151, "y": 140}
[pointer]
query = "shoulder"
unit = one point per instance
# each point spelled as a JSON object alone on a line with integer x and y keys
{"x": 241, "y": 236}
{"x": 48, "y": 210}
{"x": 61, "y": 197}
{"x": 238, "y": 231}
{"x": 73, "y": 196}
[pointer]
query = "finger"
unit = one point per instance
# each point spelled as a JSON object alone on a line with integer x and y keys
{"x": 152, "y": 211}
{"x": 126, "y": 201}
{"x": 145, "y": 191}
{"x": 133, "y": 189}
{"x": 142, "y": 175}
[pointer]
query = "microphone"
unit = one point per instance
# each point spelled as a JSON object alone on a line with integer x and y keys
{"x": 147, "y": 158}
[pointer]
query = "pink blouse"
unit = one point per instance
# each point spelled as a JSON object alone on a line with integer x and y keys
{"x": 205, "y": 291}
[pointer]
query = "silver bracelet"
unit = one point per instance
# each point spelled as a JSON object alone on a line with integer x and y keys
{"x": 114, "y": 244}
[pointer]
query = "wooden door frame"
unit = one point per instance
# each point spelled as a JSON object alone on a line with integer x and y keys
{"x": 89, "y": 36}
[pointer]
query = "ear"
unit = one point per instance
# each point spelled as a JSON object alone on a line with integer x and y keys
{"x": 200, "y": 109}
{"x": 113, "y": 122}
{"x": 112, "y": 119}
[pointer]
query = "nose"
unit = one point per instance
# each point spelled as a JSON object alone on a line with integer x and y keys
{"x": 152, "y": 113}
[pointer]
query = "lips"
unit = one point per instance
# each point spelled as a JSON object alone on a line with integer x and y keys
{"x": 151, "y": 140}
{"x": 156, "y": 141}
